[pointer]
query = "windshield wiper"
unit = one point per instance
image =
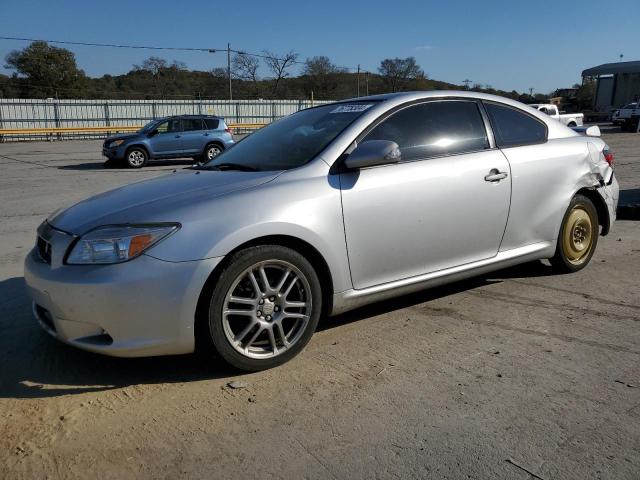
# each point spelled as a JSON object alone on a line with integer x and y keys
{"x": 232, "y": 166}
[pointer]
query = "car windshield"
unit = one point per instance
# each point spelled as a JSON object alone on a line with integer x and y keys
{"x": 149, "y": 126}
{"x": 291, "y": 141}
{"x": 630, "y": 105}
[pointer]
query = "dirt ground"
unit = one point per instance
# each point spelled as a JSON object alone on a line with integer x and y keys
{"x": 519, "y": 374}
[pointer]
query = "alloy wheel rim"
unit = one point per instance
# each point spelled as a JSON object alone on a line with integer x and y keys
{"x": 267, "y": 309}
{"x": 136, "y": 158}
{"x": 212, "y": 152}
{"x": 578, "y": 234}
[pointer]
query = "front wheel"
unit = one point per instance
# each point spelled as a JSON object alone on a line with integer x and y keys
{"x": 264, "y": 308}
{"x": 578, "y": 236}
{"x": 136, "y": 157}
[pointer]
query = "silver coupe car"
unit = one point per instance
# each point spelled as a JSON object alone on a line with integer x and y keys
{"x": 318, "y": 213}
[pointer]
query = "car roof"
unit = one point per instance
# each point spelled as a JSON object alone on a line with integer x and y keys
{"x": 190, "y": 116}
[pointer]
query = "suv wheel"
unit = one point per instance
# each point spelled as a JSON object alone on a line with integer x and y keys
{"x": 136, "y": 157}
{"x": 212, "y": 151}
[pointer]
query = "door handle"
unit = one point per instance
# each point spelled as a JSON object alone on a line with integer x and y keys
{"x": 177, "y": 136}
{"x": 495, "y": 175}
{"x": 206, "y": 134}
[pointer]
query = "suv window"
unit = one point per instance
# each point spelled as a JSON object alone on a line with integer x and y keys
{"x": 513, "y": 127}
{"x": 434, "y": 128}
{"x": 211, "y": 123}
{"x": 190, "y": 124}
{"x": 169, "y": 126}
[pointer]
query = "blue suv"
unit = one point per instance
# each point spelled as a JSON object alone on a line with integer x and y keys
{"x": 199, "y": 136}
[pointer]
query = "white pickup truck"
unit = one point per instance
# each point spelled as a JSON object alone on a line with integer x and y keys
{"x": 623, "y": 114}
{"x": 568, "y": 119}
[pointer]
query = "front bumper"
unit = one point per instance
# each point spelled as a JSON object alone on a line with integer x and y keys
{"x": 116, "y": 153}
{"x": 144, "y": 307}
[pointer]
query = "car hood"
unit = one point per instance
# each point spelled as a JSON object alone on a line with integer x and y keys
{"x": 160, "y": 199}
{"x": 124, "y": 136}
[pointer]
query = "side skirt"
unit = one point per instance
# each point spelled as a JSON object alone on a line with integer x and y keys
{"x": 350, "y": 299}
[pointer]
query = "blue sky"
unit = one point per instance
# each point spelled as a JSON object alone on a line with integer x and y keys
{"x": 509, "y": 44}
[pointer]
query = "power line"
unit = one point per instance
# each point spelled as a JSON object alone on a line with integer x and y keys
{"x": 113, "y": 45}
{"x": 148, "y": 47}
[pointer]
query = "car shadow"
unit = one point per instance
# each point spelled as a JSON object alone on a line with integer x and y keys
{"x": 101, "y": 165}
{"x": 34, "y": 365}
{"x": 629, "y": 204}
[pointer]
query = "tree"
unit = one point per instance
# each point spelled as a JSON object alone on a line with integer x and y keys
{"x": 585, "y": 96}
{"x": 245, "y": 67}
{"x": 396, "y": 72}
{"x": 279, "y": 66}
{"x": 164, "y": 75}
{"x": 321, "y": 74}
{"x": 46, "y": 71}
{"x": 319, "y": 66}
{"x": 154, "y": 65}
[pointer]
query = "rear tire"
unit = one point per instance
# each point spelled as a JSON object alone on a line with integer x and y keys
{"x": 211, "y": 151}
{"x": 136, "y": 157}
{"x": 264, "y": 308}
{"x": 578, "y": 236}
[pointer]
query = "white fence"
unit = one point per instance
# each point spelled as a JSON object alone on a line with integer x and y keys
{"x": 27, "y": 113}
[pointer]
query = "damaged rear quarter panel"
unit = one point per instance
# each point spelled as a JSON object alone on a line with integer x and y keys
{"x": 545, "y": 178}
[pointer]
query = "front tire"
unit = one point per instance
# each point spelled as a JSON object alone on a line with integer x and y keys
{"x": 264, "y": 308}
{"x": 136, "y": 157}
{"x": 578, "y": 236}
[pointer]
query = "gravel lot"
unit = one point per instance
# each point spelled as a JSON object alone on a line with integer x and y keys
{"x": 516, "y": 371}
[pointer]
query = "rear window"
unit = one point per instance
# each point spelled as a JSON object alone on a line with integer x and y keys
{"x": 513, "y": 127}
{"x": 211, "y": 123}
{"x": 190, "y": 124}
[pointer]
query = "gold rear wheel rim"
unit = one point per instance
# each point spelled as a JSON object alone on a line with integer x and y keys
{"x": 577, "y": 235}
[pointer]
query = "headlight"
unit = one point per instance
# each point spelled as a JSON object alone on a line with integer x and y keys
{"x": 116, "y": 143}
{"x": 117, "y": 243}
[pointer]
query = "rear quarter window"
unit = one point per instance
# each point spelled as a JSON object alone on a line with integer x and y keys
{"x": 211, "y": 123}
{"x": 513, "y": 127}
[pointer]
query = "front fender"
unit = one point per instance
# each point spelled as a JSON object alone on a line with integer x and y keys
{"x": 295, "y": 205}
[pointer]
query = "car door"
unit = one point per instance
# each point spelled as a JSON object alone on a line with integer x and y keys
{"x": 193, "y": 136}
{"x": 445, "y": 204}
{"x": 168, "y": 139}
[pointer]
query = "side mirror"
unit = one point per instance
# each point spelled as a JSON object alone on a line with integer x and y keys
{"x": 372, "y": 153}
{"x": 153, "y": 132}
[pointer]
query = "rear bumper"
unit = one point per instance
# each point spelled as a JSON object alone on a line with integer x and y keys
{"x": 610, "y": 193}
{"x": 144, "y": 307}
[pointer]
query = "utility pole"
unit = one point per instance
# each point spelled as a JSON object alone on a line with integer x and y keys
{"x": 466, "y": 82}
{"x": 531, "y": 91}
{"x": 358, "y": 80}
{"x": 229, "y": 69}
{"x": 366, "y": 82}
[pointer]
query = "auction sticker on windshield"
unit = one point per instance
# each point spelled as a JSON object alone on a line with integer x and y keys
{"x": 353, "y": 108}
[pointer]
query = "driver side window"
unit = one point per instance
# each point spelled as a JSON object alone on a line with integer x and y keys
{"x": 169, "y": 126}
{"x": 434, "y": 129}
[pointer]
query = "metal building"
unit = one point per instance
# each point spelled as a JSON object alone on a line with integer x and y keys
{"x": 617, "y": 84}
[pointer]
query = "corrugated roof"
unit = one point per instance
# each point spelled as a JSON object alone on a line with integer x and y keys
{"x": 612, "y": 68}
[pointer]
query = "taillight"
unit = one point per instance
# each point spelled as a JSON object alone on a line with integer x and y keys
{"x": 608, "y": 156}
{"x": 228, "y": 130}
